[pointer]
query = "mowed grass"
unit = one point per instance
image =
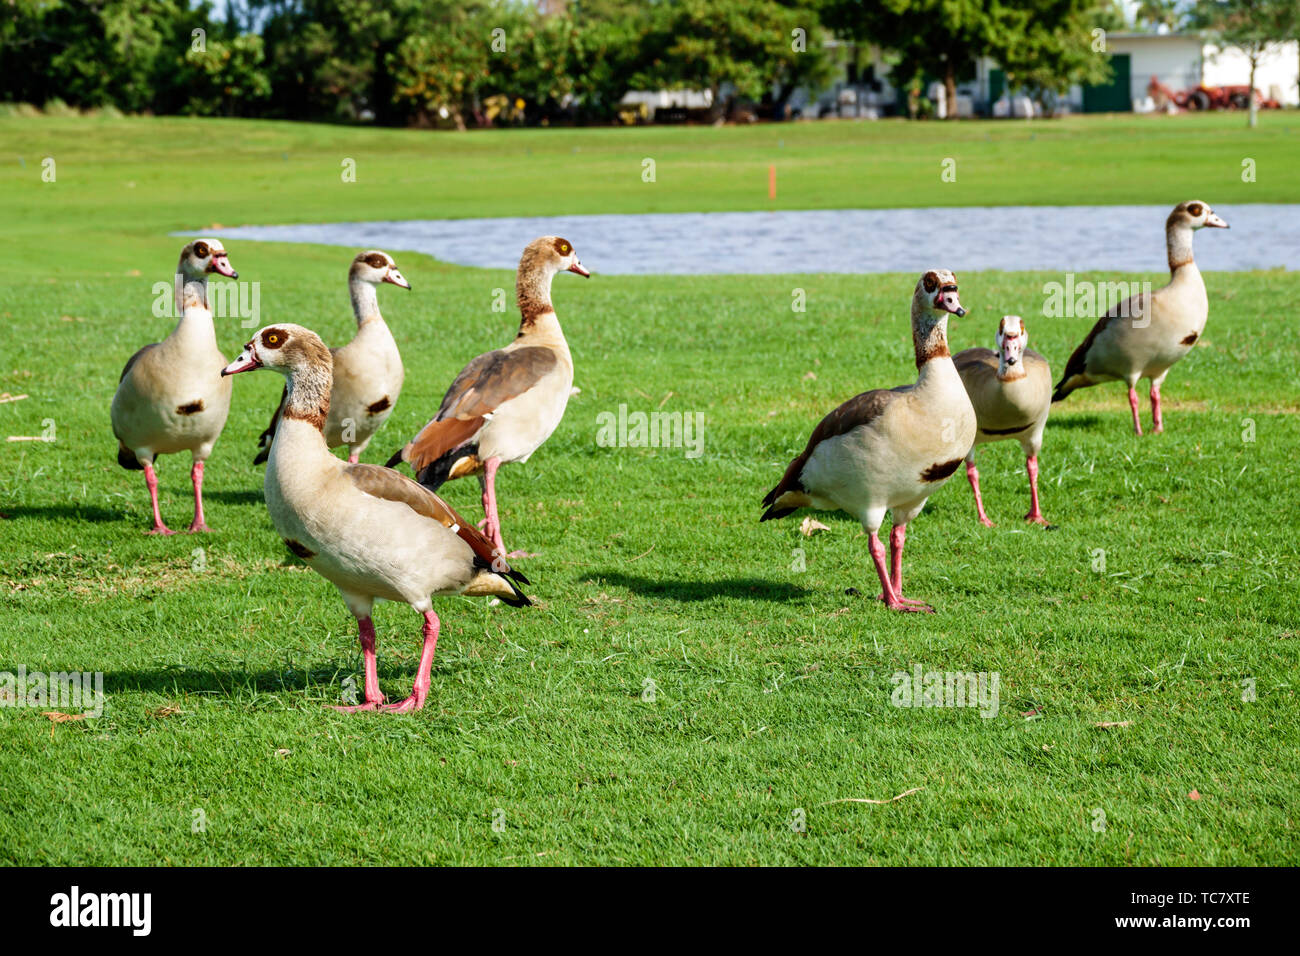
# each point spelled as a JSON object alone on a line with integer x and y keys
{"x": 770, "y": 685}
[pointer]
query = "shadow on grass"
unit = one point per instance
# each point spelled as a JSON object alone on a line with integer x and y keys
{"x": 749, "y": 589}
{"x": 248, "y": 496}
{"x": 64, "y": 512}
{"x": 1075, "y": 421}
{"x": 326, "y": 682}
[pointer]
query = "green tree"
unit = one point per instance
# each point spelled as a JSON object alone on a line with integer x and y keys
{"x": 756, "y": 46}
{"x": 226, "y": 77}
{"x": 1046, "y": 44}
{"x": 1251, "y": 26}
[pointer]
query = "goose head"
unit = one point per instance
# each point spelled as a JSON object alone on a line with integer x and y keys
{"x": 1195, "y": 214}
{"x": 285, "y": 348}
{"x": 204, "y": 256}
{"x": 376, "y": 267}
{"x": 552, "y": 254}
{"x": 936, "y": 294}
{"x": 1012, "y": 339}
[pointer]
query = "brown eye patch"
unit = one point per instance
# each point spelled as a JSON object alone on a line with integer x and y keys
{"x": 274, "y": 338}
{"x": 562, "y": 247}
{"x": 1195, "y": 210}
{"x": 377, "y": 261}
{"x": 931, "y": 280}
{"x": 201, "y": 250}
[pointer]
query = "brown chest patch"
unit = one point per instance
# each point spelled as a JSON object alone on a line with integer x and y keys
{"x": 941, "y": 470}
{"x": 374, "y": 408}
{"x": 298, "y": 548}
{"x": 316, "y": 417}
{"x": 1190, "y": 339}
{"x": 190, "y": 409}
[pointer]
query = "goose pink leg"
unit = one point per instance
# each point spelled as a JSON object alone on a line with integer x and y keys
{"x": 973, "y": 476}
{"x": 420, "y": 692}
{"x": 196, "y": 476}
{"x": 1157, "y": 420}
{"x": 892, "y": 588}
{"x": 373, "y": 696}
{"x": 151, "y": 480}
{"x": 353, "y": 458}
{"x": 1133, "y": 404}
{"x": 491, "y": 525}
{"x": 1035, "y": 513}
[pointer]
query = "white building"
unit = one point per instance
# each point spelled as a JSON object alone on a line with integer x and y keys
{"x": 1179, "y": 61}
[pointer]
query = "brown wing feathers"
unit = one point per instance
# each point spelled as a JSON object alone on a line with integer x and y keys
{"x": 394, "y": 486}
{"x": 481, "y": 388}
{"x": 856, "y": 412}
{"x": 264, "y": 440}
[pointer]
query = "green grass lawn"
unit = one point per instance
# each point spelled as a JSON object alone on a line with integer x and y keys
{"x": 771, "y": 686}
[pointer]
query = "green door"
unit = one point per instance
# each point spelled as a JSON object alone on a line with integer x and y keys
{"x": 1115, "y": 96}
{"x": 997, "y": 83}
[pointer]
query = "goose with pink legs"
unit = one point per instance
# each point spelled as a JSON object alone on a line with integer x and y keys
{"x": 170, "y": 398}
{"x": 890, "y": 449}
{"x": 1143, "y": 336}
{"x": 1011, "y": 392}
{"x": 505, "y": 403}
{"x": 370, "y": 531}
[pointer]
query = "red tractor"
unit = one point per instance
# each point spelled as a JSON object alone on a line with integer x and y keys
{"x": 1208, "y": 97}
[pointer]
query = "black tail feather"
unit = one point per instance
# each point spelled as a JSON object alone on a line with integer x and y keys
{"x": 437, "y": 473}
{"x": 126, "y": 458}
{"x": 395, "y": 460}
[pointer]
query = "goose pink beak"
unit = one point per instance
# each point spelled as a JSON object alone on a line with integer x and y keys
{"x": 221, "y": 264}
{"x": 947, "y": 301}
{"x": 246, "y": 362}
{"x": 577, "y": 267}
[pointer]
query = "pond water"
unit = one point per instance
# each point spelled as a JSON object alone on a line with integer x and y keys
{"x": 1048, "y": 238}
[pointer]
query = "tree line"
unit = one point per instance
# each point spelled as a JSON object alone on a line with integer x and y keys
{"x": 480, "y": 62}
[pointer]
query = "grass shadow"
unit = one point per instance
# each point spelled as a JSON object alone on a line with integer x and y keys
{"x": 215, "y": 682}
{"x": 1075, "y": 421}
{"x": 748, "y": 589}
{"x": 247, "y": 496}
{"x": 64, "y": 512}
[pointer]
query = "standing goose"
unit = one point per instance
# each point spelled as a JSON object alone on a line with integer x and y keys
{"x": 1011, "y": 392}
{"x": 1146, "y": 334}
{"x": 890, "y": 449}
{"x": 169, "y": 397}
{"x": 371, "y": 532}
{"x": 368, "y": 370}
{"x": 505, "y": 403}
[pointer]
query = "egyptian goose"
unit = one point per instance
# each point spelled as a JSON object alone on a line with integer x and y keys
{"x": 370, "y": 531}
{"x": 890, "y": 449}
{"x": 1011, "y": 392}
{"x": 169, "y": 397}
{"x": 368, "y": 370}
{"x": 1146, "y": 334}
{"x": 505, "y": 403}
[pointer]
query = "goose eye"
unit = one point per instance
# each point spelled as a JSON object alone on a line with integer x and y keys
{"x": 930, "y": 281}
{"x": 273, "y": 339}
{"x": 1194, "y": 210}
{"x": 201, "y": 250}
